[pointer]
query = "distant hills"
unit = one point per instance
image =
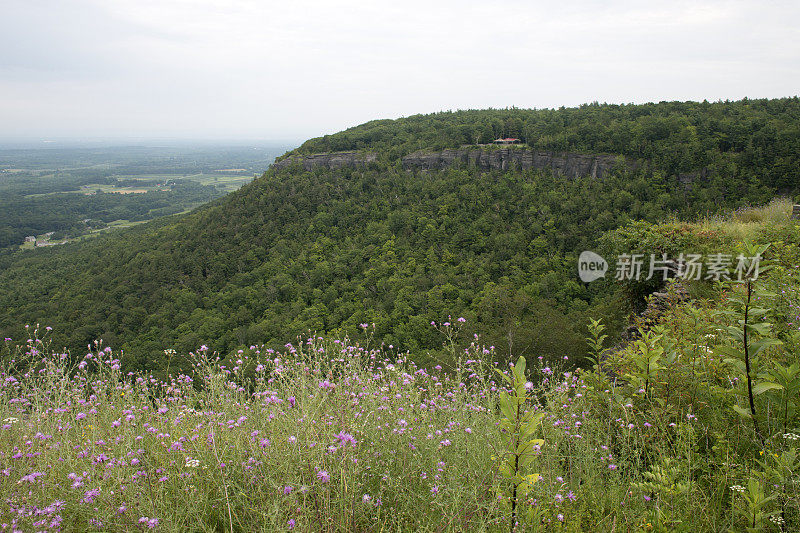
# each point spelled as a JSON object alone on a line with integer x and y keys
{"x": 327, "y": 248}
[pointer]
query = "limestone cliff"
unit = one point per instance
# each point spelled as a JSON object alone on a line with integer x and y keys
{"x": 329, "y": 160}
{"x": 571, "y": 165}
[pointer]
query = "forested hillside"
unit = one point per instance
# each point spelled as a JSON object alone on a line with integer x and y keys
{"x": 329, "y": 250}
{"x": 756, "y": 137}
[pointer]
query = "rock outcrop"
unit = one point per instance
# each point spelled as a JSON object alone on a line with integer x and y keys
{"x": 570, "y": 165}
{"x": 330, "y": 160}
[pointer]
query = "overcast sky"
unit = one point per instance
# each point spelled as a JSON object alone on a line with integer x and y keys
{"x": 293, "y": 69}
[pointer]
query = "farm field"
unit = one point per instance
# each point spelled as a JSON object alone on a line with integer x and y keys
{"x": 74, "y": 191}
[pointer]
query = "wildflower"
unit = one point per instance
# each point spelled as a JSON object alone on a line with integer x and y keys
{"x": 323, "y": 476}
{"x": 435, "y": 489}
{"x": 31, "y": 478}
{"x": 791, "y": 436}
{"x": 737, "y": 488}
{"x": 345, "y": 438}
{"x": 560, "y": 517}
{"x": 11, "y": 420}
{"x": 290, "y": 524}
{"x": 366, "y": 498}
{"x": 777, "y": 520}
{"x": 287, "y": 490}
{"x": 90, "y": 495}
{"x": 192, "y": 463}
{"x": 612, "y": 467}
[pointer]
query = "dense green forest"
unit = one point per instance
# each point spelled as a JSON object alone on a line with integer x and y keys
{"x": 329, "y": 250}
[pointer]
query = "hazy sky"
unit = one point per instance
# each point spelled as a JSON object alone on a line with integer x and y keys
{"x": 295, "y": 69}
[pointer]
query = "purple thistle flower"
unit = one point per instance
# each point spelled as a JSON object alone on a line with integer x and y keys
{"x": 345, "y": 438}
{"x": 90, "y": 495}
{"x": 31, "y": 478}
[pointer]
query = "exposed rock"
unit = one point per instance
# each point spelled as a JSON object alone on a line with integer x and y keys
{"x": 568, "y": 164}
{"x": 330, "y": 160}
{"x": 658, "y": 303}
{"x": 571, "y": 165}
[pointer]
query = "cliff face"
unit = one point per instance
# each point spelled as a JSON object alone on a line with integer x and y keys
{"x": 570, "y": 165}
{"x": 330, "y": 160}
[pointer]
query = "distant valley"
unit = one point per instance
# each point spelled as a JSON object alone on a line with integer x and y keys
{"x": 58, "y": 194}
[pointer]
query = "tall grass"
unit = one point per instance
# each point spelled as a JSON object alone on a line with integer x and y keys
{"x": 331, "y": 436}
{"x": 747, "y": 222}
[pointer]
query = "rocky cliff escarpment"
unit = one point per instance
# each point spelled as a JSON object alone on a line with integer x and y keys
{"x": 329, "y": 160}
{"x": 571, "y": 165}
